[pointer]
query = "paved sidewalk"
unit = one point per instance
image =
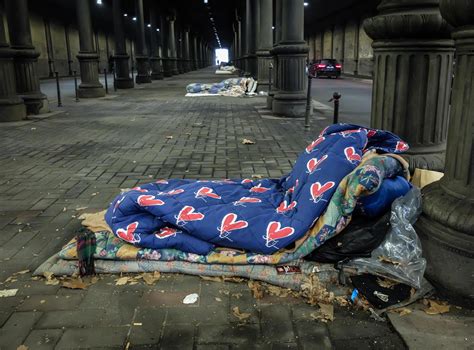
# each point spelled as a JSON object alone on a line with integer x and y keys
{"x": 78, "y": 159}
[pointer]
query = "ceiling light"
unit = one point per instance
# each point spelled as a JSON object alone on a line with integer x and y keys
{"x": 157, "y": 29}
{"x": 273, "y": 27}
{"x": 148, "y": 25}
{"x": 125, "y": 14}
{"x": 134, "y": 18}
{"x": 99, "y": 2}
{"x": 205, "y": 1}
{"x": 306, "y": 3}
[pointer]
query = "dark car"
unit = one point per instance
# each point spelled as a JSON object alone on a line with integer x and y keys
{"x": 326, "y": 67}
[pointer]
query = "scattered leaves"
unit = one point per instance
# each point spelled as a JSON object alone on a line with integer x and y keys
{"x": 211, "y": 278}
{"x": 325, "y": 313}
{"x": 22, "y": 347}
{"x": 436, "y": 307}
{"x": 5, "y": 293}
{"x": 151, "y": 278}
{"x": 242, "y": 316}
{"x": 256, "y": 289}
{"x": 50, "y": 279}
{"x": 247, "y": 142}
{"x": 122, "y": 281}
{"x": 402, "y": 311}
{"x": 74, "y": 283}
{"x": 386, "y": 283}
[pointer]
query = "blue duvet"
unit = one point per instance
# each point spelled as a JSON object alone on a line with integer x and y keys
{"x": 260, "y": 216}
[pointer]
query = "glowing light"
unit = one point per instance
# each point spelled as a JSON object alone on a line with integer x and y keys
{"x": 99, "y": 2}
{"x": 125, "y": 14}
{"x": 134, "y": 18}
{"x": 306, "y": 3}
{"x": 148, "y": 25}
{"x": 157, "y": 29}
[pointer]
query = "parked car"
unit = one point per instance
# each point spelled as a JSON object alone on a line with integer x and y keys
{"x": 326, "y": 67}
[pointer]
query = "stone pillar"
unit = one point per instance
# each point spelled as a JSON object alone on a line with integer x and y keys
{"x": 446, "y": 226}
{"x": 172, "y": 68}
{"x": 239, "y": 44}
{"x": 87, "y": 56}
{"x": 187, "y": 52}
{"x": 412, "y": 77}
{"x": 252, "y": 19}
{"x": 277, "y": 34}
{"x": 25, "y": 57}
{"x": 179, "y": 52}
{"x": 12, "y": 107}
{"x": 49, "y": 48}
{"x": 195, "y": 53}
{"x": 155, "y": 59}
{"x": 143, "y": 63}
{"x": 122, "y": 70}
{"x": 68, "y": 50}
{"x": 265, "y": 43}
{"x": 290, "y": 99}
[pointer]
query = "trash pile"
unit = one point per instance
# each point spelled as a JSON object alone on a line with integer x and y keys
{"x": 232, "y": 87}
{"x": 337, "y": 229}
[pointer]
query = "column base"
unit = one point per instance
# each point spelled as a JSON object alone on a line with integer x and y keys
{"x": 143, "y": 69}
{"x": 446, "y": 231}
{"x": 85, "y": 91}
{"x": 36, "y": 103}
{"x": 90, "y": 86}
{"x": 124, "y": 83}
{"x": 431, "y": 158}
{"x": 291, "y": 106}
{"x": 263, "y": 60}
{"x": 12, "y": 110}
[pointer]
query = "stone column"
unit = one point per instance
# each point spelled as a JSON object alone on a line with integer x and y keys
{"x": 68, "y": 50}
{"x": 187, "y": 54}
{"x": 413, "y": 55}
{"x": 195, "y": 53}
{"x": 277, "y": 34}
{"x": 290, "y": 99}
{"x": 165, "y": 44}
{"x": 25, "y": 57}
{"x": 155, "y": 59}
{"x": 265, "y": 43}
{"x": 87, "y": 56}
{"x": 143, "y": 63}
{"x": 172, "y": 45}
{"x": 122, "y": 70}
{"x": 446, "y": 226}
{"x": 238, "y": 47}
{"x": 179, "y": 52}
{"x": 12, "y": 107}
{"x": 252, "y": 17}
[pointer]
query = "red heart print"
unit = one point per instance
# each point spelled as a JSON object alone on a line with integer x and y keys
{"x": 207, "y": 192}
{"x": 249, "y": 200}
{"x": 371, "y": 132}
{"x": 283, "y": 208}
{"x": 275, "y": 231}
{"x": 149, "y": 200}
{"x": 313, "y": 163}
{"x": 317, "y": 190}
{"x": 139, "y": 189}
{"x": 346, "y": 133}
{"x": 188, "y": 213}
{"x": 173, "y": 192}
{"x": 230, "y": 223}
{"x": 245, "y": 181}
{"x": 259, "y": 189}
{"x": 128, "y": 234}
{"x": 313, "y": 144}
{"x": 351, "y": 154}
{"x": 166, "y": 232}
{"x": 401, "y": 146}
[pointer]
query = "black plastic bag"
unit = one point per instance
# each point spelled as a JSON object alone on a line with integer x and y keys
{"x": 357, "y": 240}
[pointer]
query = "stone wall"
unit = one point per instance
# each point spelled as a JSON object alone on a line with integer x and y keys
{"x": 348, "y": 43}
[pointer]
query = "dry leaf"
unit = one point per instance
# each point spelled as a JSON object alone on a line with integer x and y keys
{"x": 437, "y": 307}
{"x": 218, "y": 299}
{"x": 21, "y": 272}
{"x": 74, "y": 284}
{"x": 5, "y": 293}
{"x": 50, "y": 279}
{"x": 257, "y": 176}
{"x": 237, "y": 295}
{"x": 151, "y": 278}
{"x": 387, "y": 260}
{"x": 327, "y": 311}
{"x": 242, "y": 316}
{"x": 122, "y": 281}
{"x": 402, "y": 311}
{"x": 233, "y": 279}
{"x": 169, "y": 137}
{"x": 210, "y": 278}
{"x": 256, "y": 289}
{"x": 247, "y": 142}
{"x": 386, "y": 283}
{"x": 22, "y": 347}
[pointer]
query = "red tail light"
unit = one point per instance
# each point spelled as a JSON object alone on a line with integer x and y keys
{"x": 338, "y": 65}
{"x": 321, "y": 66}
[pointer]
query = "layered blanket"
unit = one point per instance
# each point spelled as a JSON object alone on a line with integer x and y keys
{"x": 232, "y": 87}
{"x": 261, "y": 216}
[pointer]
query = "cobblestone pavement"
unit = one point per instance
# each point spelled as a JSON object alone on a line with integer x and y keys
{"x": 77, "y": 159}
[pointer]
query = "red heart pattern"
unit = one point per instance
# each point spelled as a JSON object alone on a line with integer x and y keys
{"x": 284, "y": 207}
{"x": 128, "y": 234}
{"x": 230, "y": 223}
{"x": 351, "y": 154}
{"x": 207, "y": 192}
{"x": 188, "y": 213}
{"x": 347, "y": 133}
{"x": 259, "y": 189}
{"x": 275, "y": 231}
{"x": 139, "y": 189}
{"x": 173, "y": 192}
{"x": 371, "y": 132}
{"x": 317, "y": 190}
{"x": 313, "y": 144}
{"x": 166, "y": 232}
{"x": 249, "y": 200}
{"x": 313, "y": 163}
{"x": 245, "y": 181}
{"x": 401, "y": 146}
{"x": 148, "y": 200}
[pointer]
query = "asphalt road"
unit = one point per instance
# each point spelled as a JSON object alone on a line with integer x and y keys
{"x": 355, "y": 103}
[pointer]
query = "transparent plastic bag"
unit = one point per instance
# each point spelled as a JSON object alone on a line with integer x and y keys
{"x": 399, "y": 256}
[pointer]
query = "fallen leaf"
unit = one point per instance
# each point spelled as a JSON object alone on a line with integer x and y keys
{"x": 218, "y": 299}
{"x": 327, "y": 310}
{"x": 5, "y": 293}
{"x": 42, "y": 301}
{"x": 22, "y": 347}
{"x": 233, "y": 279}
{"x": 386, "y": 283}
{"x": 74, "y": 284}
{"x": 242, "y": 316}
{"x": 257, "y": 176}
{"x": 402, "y": 311}
{"x": 237, "y": 295}
{"x": 169, "y": 137}
{"x": 210, "y": 278}
{"x": 247, "y": 142}
{"x": 21, "y": 272}
{"x": 50, "y": 279}
{"x": 437, "y": 307}
{"x": 122, "y": 281}
{"x": 256, "y": 289}
{"x": 387, "y": 260}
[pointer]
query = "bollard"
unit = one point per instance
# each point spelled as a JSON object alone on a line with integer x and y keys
{"x": 308, "y": 103}
{"x": 106, "y": 85}
{"x": 270, "y": 69}
{"x": 58, "y": 89}
{"x": 335, "y": 97}
{"x": 75, "y": 86}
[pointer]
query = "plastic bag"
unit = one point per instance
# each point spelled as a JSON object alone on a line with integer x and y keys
{"x": 399, "y": 256}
